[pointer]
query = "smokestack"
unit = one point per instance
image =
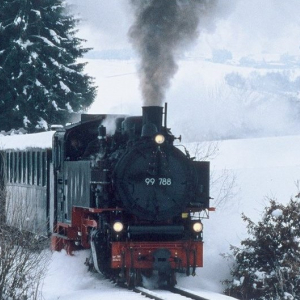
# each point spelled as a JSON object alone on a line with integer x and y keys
{"x": 152, "y": 120}
{"x": 153, "y": 115}
{"x": 161, "y": 29}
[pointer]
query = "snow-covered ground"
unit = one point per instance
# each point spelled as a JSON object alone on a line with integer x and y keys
{"x": 68, "y": 279}
{"x": 261, "y": 168}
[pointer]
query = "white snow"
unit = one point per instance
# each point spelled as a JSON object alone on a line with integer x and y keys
{"x": 277, "y": 213}
{"x": 46, "y": 41}
{"x": 38, "y": 83}
{"x": 18, "y": 20}
{"x": 34, "y": 55}
{"x": 37, "y": 12}
{"x": 68, "y": 279}
{"x": 55, "y": 105}
{"x": 23, "y": 141}
{"x": 64, "y": 87}
{"x": 23, "y": 44}
{"x": 42, "y": 124}
{"x": 26, "y": 121}
{"x": 55, "y": 36}
{"x": 69, "y": 107}
{"x": 56, "y": 63}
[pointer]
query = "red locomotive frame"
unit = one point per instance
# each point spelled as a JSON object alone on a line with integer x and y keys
{"x": 128, "y": 254}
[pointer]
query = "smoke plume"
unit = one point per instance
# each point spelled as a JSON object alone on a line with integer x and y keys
{"x": 162, "y": 29}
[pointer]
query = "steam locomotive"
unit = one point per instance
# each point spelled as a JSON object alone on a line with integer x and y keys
{"x": 119, "y": 186}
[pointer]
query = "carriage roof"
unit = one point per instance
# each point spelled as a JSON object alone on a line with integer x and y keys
{"x": 42, "y": 140}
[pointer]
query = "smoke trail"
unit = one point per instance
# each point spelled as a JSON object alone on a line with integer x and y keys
{"x": 163, "y": 28}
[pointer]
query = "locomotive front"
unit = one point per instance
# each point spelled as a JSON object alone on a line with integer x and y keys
{"x": 154, "y": 180}
{"x": 142, "y": 211}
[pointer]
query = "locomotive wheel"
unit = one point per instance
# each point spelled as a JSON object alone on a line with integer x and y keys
{"x": 167, "y": 279}
{"x": 171, "y": 281}
{"x": 133, "y": 278}
{"x": 100, "y": 252}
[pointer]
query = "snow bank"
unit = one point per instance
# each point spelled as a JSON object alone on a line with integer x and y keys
{"x": 258, "y": 153}
{"x": 68, "y": 279}
{"x": 23, "y": 141}
{"x": 261, "y": 169}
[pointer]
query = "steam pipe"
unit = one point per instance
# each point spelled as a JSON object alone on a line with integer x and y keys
{"x": 165, "y": 114}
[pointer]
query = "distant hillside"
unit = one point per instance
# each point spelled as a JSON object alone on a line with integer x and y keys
{"x": 209, "y": 100}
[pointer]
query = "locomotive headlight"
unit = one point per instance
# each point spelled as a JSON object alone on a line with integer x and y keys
{"x": 159, "y": 139}
{"x": 197, "y": 227}
{"x": 118, "y": 226}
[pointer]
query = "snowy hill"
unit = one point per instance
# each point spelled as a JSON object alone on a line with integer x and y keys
{"x": 255, "y": 97}
{"x": 261, "y": 168}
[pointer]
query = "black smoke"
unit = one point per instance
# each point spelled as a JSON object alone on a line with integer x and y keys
{"x": 162, "y": 29}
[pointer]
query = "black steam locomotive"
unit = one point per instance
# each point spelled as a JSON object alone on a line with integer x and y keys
{"x": 119, "y": 186}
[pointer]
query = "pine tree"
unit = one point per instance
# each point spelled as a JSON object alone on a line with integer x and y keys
{"x": 40, "y": 81}
{"x": 268, "y": 264}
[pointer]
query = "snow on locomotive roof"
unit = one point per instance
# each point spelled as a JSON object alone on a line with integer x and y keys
{"x": 24, "y": 141}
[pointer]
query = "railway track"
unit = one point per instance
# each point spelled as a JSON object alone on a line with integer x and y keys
{"x": 168, "y": 294}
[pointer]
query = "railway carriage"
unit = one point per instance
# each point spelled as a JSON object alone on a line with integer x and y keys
{"x": 27, "y": 181}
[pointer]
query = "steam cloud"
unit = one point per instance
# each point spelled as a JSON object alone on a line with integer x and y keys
{"x": 162, "y": 29}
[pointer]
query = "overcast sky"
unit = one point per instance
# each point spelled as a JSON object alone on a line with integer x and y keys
{"x": 240, "y": 26}
{"x": 243, "y": 27}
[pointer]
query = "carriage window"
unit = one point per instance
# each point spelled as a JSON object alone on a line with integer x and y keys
{"x": 57, "y": 153}
{"x": 2, "y": 169}
{"x": 38, "y": 168}
{"x": 15, "y": 167}
{"x": 28, "y": 167}
{"x": 44, "y": 168}
{"x": 33, "y": 164}
{"x": 23, "y": 167}
{"x": 11, "y": 167}
{"x": 19, "y": 167}
{"x": 7, "y": 166}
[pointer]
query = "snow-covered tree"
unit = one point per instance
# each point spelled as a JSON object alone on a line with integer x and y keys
{"x": 41, "y": 81}
{"x": 267, "y": 266}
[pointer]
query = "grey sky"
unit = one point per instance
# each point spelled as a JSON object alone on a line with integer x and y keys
{"x": 241, "y": 26}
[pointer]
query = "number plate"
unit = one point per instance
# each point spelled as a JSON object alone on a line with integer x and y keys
{"x": 160, "y": 181}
